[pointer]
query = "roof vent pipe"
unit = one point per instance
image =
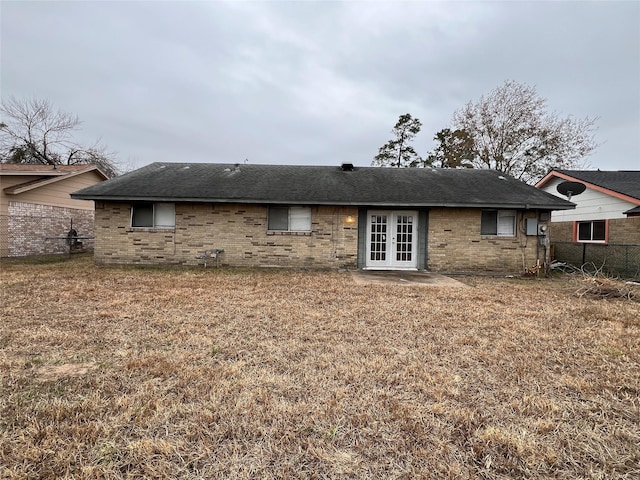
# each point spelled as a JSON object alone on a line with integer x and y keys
{"x": 347, "y": 167}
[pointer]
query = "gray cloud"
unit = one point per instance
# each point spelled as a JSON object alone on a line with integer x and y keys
{"x": 316, "y": 83}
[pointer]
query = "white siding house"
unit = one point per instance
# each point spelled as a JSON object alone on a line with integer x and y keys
{"x": 592, "y": 204}
{"x": 607, "y": 210}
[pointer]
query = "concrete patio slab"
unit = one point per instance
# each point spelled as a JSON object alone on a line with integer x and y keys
{"x": 403, "y": 277}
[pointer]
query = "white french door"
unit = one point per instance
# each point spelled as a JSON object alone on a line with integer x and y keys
{"x": 392, "y": 239}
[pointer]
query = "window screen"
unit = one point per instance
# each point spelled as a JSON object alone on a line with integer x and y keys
{"x": 142, "y": 215}
{"x": 584, "y": 231}
{"x": 506, "y": 224}
{"x": 164, "y": 215}
{"x": 599, "y": 231}
{"x": 489, "y": 224}
{"x": 299, "y": 219}
{"x": 278, "y": 218}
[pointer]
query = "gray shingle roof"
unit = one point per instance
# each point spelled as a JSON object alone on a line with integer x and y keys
{"x": 633, "y": 211}
{"x": 626, "y": 182}
{"x": 322, "y": 185}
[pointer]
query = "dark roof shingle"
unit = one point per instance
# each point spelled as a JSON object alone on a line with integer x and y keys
{"x": 626, "y": 182}
{"x": 322, "y": 185}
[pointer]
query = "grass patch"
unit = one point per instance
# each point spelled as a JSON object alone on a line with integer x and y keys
{"x": 193, "y": 373}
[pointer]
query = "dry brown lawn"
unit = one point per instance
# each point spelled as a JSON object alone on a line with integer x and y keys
{"x": 194, "y": 373}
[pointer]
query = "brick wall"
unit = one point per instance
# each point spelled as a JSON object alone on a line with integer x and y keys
{"x": 31, "y": 228}
{"x": 561, "y": 231}
{"x": 456, "y": 245}
{"x": 241, "y": 230}
{"x": 625, "y": 231}
{"x": 454, "y": 240}
{"x": 4, "y": 235}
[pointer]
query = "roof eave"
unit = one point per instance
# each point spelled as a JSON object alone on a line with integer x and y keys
{"x": 32, "y": 173}
{"x": 58, "y": 177}
{"x": 515, "y": 206}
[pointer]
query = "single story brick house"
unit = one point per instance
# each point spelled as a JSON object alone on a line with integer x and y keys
{"x": 36, "y": 209}
{"x": 321, "y": 217}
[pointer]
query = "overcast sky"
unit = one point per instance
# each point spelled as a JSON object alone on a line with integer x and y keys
{"x": 315, "y": 82}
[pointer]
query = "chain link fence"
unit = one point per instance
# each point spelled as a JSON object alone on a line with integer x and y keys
{"x": 615, "y": 260}
{"x": 26, "y": 235}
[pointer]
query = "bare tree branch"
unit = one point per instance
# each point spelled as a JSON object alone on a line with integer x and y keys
{"x": 514, "y": 133}
{"x": 32, "y": 131}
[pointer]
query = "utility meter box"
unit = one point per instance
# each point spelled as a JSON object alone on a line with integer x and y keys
{"x": 532, "y": 226}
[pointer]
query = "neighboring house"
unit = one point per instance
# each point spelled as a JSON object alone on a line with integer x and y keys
{"x": 607, "y": 211}
{"x": 321, "y": 217}
{"x": 36, "y": 208}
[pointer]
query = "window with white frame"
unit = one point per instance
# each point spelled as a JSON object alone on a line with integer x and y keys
{"x": 289, "y": 219}
{"x": 153, "y": 215}
{"x": 501, "y": 223}
{"x": 593, "y": 231}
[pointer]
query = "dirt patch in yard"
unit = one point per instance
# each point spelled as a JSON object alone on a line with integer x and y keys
{"x": 57, "y": 372}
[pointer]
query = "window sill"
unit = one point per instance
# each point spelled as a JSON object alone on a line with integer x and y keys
{"x": 287, "y": 232}
{"x": 499, "y": 237}
{"x": 151, "y": 229}
{"x": 592, "y": 242}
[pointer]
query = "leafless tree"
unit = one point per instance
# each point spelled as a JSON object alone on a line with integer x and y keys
{"x": 513, "y": 132}
{"x": 33, "y": 132}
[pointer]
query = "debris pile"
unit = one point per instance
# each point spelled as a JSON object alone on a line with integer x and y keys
{"x": 604, "y": 287}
